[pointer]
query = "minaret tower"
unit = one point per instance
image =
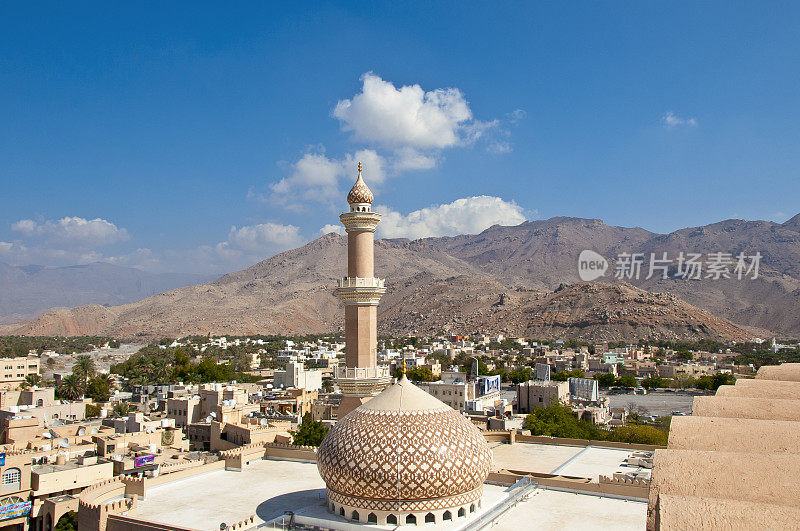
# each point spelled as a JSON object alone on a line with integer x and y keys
{"x": 360, "y": 291}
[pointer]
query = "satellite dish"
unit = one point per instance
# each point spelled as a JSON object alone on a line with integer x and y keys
{"x": 64, "y": 443}
{"x": 53, "y": 435}
{"x": 81, "y": 431}
{"x": 94, "y": 430}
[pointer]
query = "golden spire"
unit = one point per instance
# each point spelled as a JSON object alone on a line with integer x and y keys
{"x": 403, "y": 366}
{"x": 360, "y": 192}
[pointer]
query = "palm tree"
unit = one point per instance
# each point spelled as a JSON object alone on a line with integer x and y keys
{"x": 122, "y": 409}
{"x": 84, "y": 368}
{"x": 71, "y": 387}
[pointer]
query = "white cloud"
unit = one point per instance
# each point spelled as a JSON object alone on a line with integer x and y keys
{"x": 670, "y": 120}
{"x": 72, "y": 232}
{"x": 243, "y": 247}
{"x": 408, "y": 116}
{"x": 142, "y": 259}
{"x": 315, "y": 178}
{"x": 18, "y": 253}
{"x": 516, "y": 115}
{"x": 71, "y": 241}
{"x": 327, "y": 229}
{"x": 405, "y": 129}
{"x": 264, "y": 238}
{"x": 67, "y": 241}
{"x": 469, "y": 215}
{"x": 499, "y": 147}
{"x": 408, "y": 158}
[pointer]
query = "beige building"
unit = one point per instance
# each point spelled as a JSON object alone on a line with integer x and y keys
{"x": 684, "y": 369}
{"x": 535, "y": 393}
{"x": 37, "y": 410}
{"x": 13, "y": 371}
{"x": 455, "y": 394}
{"x": 734, "y": 463}
{"x": 297, "y": 376}
{"x": 185, "y": 410}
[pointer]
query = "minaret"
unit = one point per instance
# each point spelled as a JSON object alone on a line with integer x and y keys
{"x": 360, "y": 291}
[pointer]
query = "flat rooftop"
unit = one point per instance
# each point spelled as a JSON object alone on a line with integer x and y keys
{"x": 551, "y": 509}
{"x": 586, "y": 462}
{"x": 267, "y": 488}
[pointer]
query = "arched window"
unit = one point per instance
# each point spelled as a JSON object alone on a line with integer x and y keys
{"x": 11, "y": 479}
{"x": 430, "y": 519}
{"x": 341, "y": 511}
{"x": 447, "y": 515}
{"x": 411, "y": 519}
{"x": 372, "y": 518}
{"x": 355, "y": 516}
{"x": 461, "y": 512}
{"x": 391, "y": 519}
{"x": 472, "y": 508}
{"x": 39, "y": 403}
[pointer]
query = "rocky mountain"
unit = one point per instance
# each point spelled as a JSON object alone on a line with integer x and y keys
{"x": 519, "y": 280}
{"x": 27, "y": 291}
{"x": 499, "y": 280}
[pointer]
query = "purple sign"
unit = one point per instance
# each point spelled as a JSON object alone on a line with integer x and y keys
{"x": 144, "y": 460}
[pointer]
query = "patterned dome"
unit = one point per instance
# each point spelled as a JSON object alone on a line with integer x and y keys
{"x": 404, "y": 448}
{"x": 360, "y": 193}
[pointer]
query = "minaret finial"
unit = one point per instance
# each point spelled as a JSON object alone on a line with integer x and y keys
{"x": 403, "y": 367}
{"x": 360, "y": 193}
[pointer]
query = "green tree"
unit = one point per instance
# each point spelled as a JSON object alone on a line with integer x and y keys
{"x": 70, "y": 387}
{"x": 654, "y": 382}
{"x": 92, "y": 411}
{"x": 712, "y": 383}
{"x": 99, "y": 389}
{"x": 563, "y": 376}
{"x": 68, "y": 522}
{"x": 556, "y": 420}
{"x": 417, "y": 374}
{"x": 639, "y": 434}
{"x": 626, "y": 380}
{"x": 310, "y": 432}
{"x": 605, "y": 379}
{"x": 84, "y": 368}
{"x": 520, "y": 374}
{"x": 327, "y": 386}
{"x": 122, "y": 409}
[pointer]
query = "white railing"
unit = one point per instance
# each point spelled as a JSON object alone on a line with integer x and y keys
{"x": 380, "y": 371}
{"x": 358, "y": 282}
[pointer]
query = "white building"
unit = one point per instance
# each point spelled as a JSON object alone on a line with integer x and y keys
{"x": 296, "y": 375}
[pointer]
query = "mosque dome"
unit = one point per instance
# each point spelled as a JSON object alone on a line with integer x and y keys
{"x": 360, "y": 193}
{"x": 404, "y": 455}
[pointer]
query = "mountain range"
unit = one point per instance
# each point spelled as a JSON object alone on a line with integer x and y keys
{"x": 521, "y": 280}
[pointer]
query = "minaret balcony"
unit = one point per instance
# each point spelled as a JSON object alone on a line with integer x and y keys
{"x": 363, "y": 381}
{"x": 360, "y": 282}
{"x": 360, "y": 291}
{"x": 360, "y": 221}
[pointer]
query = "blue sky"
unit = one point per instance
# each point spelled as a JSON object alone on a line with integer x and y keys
{"x": 204, "y": 137}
